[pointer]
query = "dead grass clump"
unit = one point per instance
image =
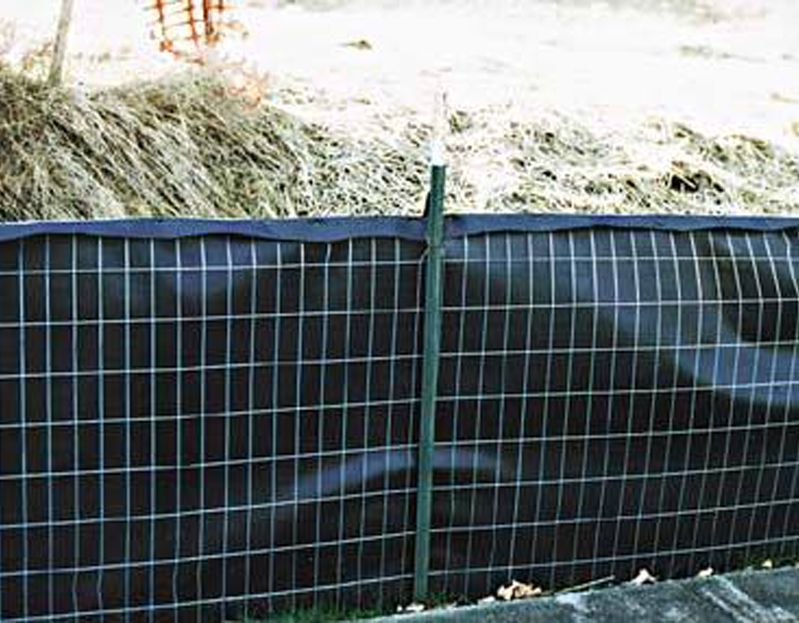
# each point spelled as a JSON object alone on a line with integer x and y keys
{"x": 185, "y": 148}
{"x": 558, "y": 166}
{"x": 189, "y": 148}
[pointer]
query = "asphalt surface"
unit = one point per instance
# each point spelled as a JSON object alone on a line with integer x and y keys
{"x": 751, "y": 596}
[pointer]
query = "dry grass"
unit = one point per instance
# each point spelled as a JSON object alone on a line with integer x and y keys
{"x": 669, "y": 168}
{"x": 555, "y": 165}
{"x": 186, "y": 148}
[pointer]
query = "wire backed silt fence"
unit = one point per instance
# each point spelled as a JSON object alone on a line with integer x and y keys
{"x": 208, "y": 420}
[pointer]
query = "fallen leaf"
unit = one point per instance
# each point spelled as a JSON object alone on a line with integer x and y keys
{"x": 643, "y": 577}
{"x": 518, "y": 590}
{"x": 413, "y": 608}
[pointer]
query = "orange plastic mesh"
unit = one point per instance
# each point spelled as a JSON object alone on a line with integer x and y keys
{"x": 185, "y": 27}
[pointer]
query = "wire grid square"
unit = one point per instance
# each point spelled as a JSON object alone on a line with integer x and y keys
{"x": 205, "y": 426}
{"x": 612, "y": 400}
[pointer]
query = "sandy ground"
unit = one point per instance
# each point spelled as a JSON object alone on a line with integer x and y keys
{"x": 726, "y": 66}
{"x": 722, "y": 67}
{"x": 724, "y": 71}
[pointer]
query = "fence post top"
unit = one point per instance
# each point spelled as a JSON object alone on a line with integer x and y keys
{"x": 438, "y": 142}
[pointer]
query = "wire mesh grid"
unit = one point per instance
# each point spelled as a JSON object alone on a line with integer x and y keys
{"x": 614, "y": 400}
{"x": 205, "y": 427}
{"x": 217, "y": 426}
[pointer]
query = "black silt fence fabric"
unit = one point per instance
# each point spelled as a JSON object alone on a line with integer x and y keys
{"x": 206, "y": 420}
{"x": 187, "y": 421}
{"x": 614, "y": 399}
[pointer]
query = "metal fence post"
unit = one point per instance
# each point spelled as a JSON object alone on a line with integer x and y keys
{"x": 432, "y": 346}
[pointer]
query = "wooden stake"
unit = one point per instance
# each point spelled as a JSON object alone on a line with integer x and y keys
{"x": 60, "y": 50}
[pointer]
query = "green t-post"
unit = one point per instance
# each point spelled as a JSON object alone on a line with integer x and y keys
{"x": 432, "y": 346}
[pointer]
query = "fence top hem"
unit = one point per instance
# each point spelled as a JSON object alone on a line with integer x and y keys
{"x": 477, "y": 224}
{"x": 328, "y": 229}
{"x": 333, "y": 229}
